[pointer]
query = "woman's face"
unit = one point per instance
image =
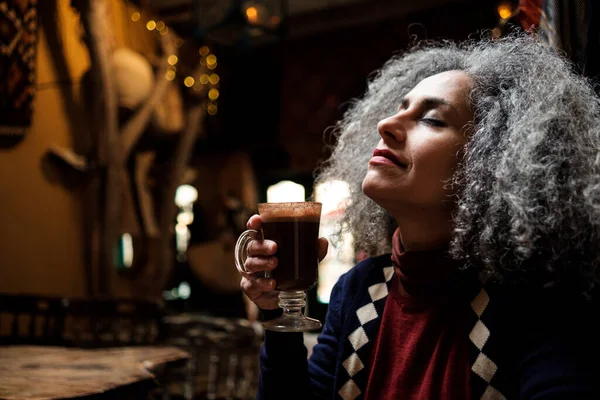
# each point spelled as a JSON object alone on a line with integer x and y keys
{"x": 420, "y": 145}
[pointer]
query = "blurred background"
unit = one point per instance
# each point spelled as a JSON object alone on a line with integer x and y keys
{"x": 137, "y": 137}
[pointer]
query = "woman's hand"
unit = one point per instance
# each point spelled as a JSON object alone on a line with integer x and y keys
{"x": 261, "y": 258}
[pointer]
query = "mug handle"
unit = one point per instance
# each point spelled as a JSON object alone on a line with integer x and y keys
{"x": 241, "y": 248}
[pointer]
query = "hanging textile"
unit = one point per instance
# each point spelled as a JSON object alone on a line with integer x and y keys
{"x": 570, "y": 26}
{"x": 18, "y": 40}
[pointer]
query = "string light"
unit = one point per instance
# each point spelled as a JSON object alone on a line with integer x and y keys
{"x": 189, "y": 81}
{"x": 213, "y": 94}
{"x": 206, "y": 59}
{"x": 204, "y": 50}
{"x": 214, "y": 79}
{"x": 211, "y": 59}
{"x": 204, "y": 79}
{"x": 172, "y": 60}
{"x": 212, "y": 109}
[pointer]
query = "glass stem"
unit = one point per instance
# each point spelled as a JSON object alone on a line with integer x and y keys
{"x": 292, "y": 302}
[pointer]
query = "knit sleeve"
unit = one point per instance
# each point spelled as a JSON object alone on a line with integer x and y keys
{"x": 283, "y": 367}
{"x": 323, "y": 361}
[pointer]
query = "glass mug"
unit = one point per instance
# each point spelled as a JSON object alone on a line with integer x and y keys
{"x": 295, "y": 229}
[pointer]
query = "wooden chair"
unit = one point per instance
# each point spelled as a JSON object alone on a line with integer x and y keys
{"x": 100, "y": 323}
{"x": 90, "y": 323}
{"x": 225, "y": 352}
{"x": 96, "y": 323}
{"x": 30, "y": 319}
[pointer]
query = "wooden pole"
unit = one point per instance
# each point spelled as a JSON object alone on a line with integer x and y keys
{"x": 107, "y": 152}
{"x": 168, "y": 209}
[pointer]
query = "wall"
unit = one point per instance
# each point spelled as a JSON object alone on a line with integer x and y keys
{"x": 322, "y": 74}
{"x": 41, "y": 232}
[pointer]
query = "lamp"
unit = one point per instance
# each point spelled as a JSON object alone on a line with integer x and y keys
{"x": 240, "y": 23}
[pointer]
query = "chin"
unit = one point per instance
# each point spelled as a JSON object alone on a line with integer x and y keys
{"x": 376, "y": 190}
{"x": 367, "y": 185}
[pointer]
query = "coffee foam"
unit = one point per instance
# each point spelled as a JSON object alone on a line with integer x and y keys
{"x": 300, "y": 211}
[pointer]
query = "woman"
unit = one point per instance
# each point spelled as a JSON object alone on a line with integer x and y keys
{"x": 484, "y": 184}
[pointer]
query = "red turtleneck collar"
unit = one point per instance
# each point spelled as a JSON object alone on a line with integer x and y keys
{"x": 421, "y": 350}
{"x": 424, "y": 277}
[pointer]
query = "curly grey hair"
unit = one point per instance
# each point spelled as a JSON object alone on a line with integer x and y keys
{"x": 528, "y": 185}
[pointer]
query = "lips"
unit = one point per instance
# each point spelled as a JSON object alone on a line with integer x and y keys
{"x": 389, "y": 156}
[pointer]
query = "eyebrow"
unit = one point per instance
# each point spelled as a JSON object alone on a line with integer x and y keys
{"x": 431, "y": 103}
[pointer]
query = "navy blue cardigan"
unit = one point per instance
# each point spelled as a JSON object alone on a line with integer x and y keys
{"x": 524, "y": 343}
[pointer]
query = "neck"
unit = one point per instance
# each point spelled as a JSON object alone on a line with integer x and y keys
{"x": 424, "y": 230}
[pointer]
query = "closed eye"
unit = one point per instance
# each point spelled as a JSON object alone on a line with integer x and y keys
{"x": 434, "y": 122}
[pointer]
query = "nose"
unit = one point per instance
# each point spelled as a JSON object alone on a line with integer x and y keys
{"x": 392, "y": 128}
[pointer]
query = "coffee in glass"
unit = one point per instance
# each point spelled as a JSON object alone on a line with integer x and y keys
{"x": 295, "y": 229}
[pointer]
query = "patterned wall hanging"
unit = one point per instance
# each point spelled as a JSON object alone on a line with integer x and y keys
{"x": 18, "y": 40}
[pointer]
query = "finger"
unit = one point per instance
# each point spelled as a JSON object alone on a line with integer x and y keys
{"x": 258, "y": 264}
{"x": 267, "y": 300}
{"x": 261, "y": 248}
{"x": 252, "y": 276}
{"x": 266, "y": 284}
{"x": 254, "y": 222}
{"x": 257, "y": 287}
{"x": 323, "y": 246}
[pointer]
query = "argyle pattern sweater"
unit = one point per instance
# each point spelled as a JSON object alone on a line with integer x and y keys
{"x": 524, "y": 343}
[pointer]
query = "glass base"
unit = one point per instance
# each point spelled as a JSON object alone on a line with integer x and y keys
{"x": 292, "y": 323}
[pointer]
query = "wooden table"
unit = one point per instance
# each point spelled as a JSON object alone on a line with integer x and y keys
{"x": 38, "y": 372}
